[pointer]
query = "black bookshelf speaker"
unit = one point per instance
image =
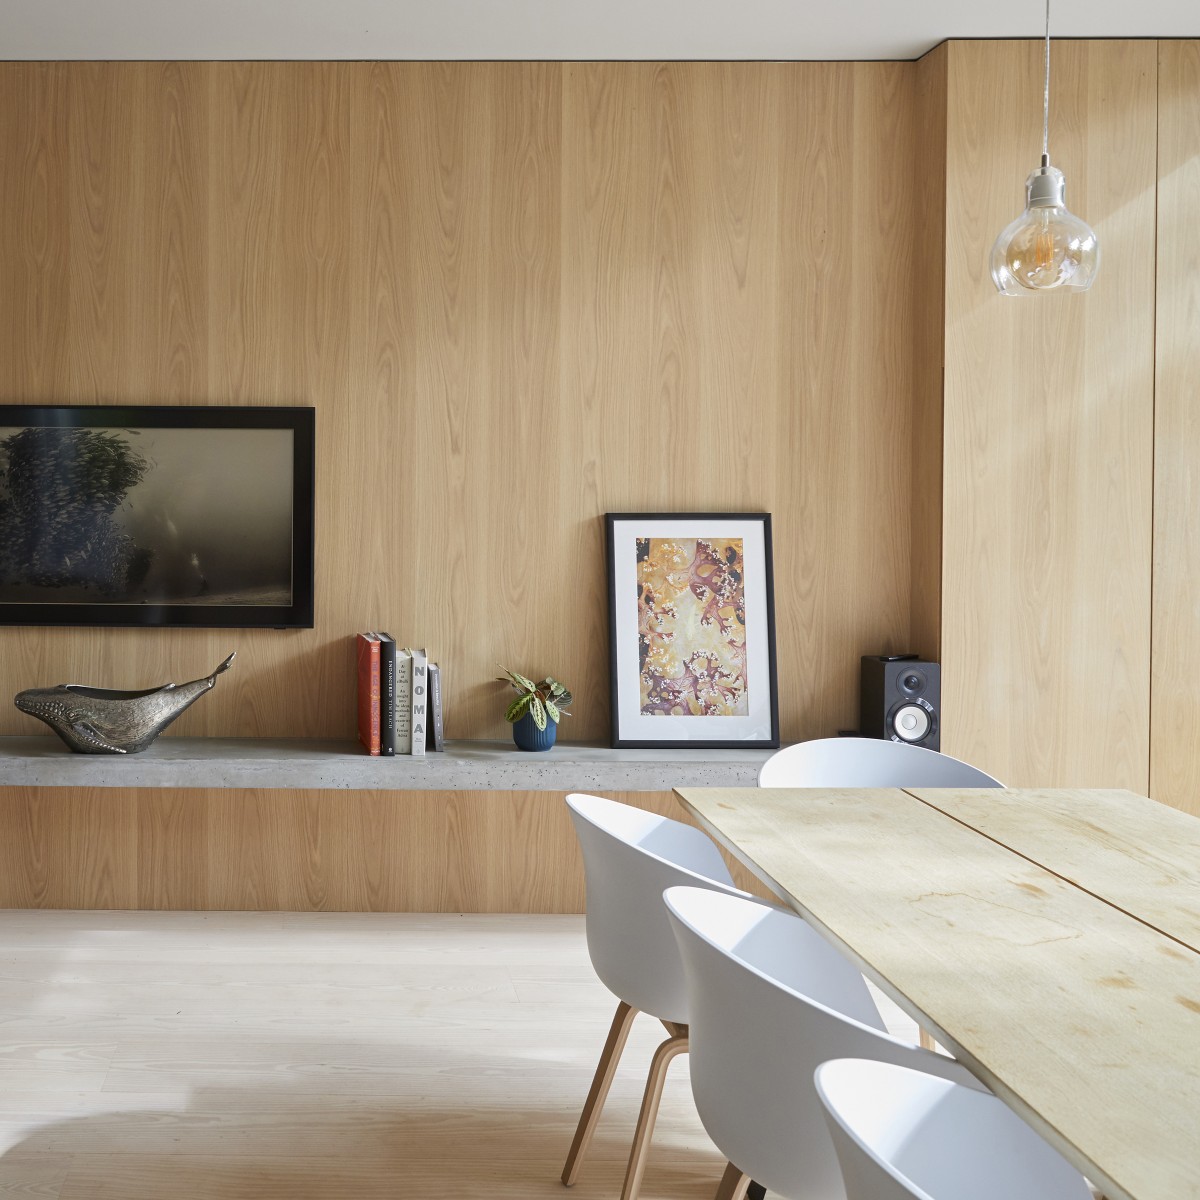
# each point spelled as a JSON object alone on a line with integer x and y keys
{"x": 901, "y": 699}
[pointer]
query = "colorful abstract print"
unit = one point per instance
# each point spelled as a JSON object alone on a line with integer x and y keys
{"x": 691, "y": 627}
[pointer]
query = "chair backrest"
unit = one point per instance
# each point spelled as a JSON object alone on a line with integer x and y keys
{"x": 901, "y": 1134}
{"x": 770, "y": 1000}
{"x": 630, "y": 857}
{"x": 868, "y": 762}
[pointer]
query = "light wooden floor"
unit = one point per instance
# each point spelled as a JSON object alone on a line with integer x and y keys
{"x": 305, "y": 1057}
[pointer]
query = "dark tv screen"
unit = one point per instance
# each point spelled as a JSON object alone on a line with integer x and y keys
{"x": 156, "y": 516}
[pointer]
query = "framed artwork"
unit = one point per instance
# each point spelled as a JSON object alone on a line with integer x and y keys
{"x": 692, "y": 630}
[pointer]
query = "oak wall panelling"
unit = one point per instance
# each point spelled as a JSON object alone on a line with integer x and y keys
{"x": 519, "y": 295}
{"x": 1049, "y": 425}
{"x": 575, "y": 288}
{"x": 1175, "y": 686}
{"x": 557, "y": 290}
{"x": 247, "y": 849}
{"x": 929, "y": 355}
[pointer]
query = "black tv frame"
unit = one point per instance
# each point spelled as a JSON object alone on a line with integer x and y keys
{"x": 301, "y": 422}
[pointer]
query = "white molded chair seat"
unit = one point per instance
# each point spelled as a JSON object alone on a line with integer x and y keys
{"x": 630, "y": 857}
{"x": 769, "y": 1001}
{"x": 868, "y": 762}
{"x": 902, "y": 1134}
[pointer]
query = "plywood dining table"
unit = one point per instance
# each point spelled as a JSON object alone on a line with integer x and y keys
{"x": 1049, "y": 939}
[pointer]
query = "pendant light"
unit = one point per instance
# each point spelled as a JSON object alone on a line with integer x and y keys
{"x": 1047, "y": 248}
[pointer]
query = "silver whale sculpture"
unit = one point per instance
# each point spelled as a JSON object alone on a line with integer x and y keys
{"x": 99, "y": 721}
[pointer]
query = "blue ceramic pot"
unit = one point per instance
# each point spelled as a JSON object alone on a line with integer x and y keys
{"x": 529, "y": 737}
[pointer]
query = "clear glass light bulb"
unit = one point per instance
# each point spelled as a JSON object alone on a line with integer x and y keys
{"x": 1047, "y": 247}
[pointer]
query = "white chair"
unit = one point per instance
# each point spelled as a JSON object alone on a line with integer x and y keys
{"x": 630, "y": 857}
{"x": 769, "y": 1001}
{"x": 901, "y": 1134}
{"x": 868, "y": 762}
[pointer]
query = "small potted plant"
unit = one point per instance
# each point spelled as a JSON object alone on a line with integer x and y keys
{"x": 535, "y": 713}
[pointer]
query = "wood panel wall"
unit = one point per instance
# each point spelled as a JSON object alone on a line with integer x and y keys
{"x": 576, "y": 288}
{"x": 1049, "y": 425}
{"x": 518, "y": 295}
{"x": 929, "y": 314}
{"x": 297, "y": 851}
{"x": 1175, "y": 694}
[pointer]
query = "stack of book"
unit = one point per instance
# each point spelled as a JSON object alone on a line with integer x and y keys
{"x": 399, "y": 697}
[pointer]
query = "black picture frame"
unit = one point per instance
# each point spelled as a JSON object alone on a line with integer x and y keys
{"x": 765, "y": 734}
{"x": 300, "y": 421}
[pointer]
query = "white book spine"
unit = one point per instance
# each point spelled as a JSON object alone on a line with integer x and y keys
{"x": 404, "y": 665}
{"x": 420, "y": 700}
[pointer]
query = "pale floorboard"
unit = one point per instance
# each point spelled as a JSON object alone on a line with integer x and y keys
{"x": 318, "y": 1056}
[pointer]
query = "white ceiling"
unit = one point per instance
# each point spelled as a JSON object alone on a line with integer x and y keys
{"x": 554, "y": 29}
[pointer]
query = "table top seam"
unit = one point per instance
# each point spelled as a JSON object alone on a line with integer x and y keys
{"x": 1051, "y": 871}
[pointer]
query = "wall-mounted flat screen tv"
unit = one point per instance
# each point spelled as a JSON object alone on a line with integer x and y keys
{"x": 156, "y": 516}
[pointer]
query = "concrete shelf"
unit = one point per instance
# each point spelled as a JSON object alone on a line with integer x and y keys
{"x": 182, "y": 762}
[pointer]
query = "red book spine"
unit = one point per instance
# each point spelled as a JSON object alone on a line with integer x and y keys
{"x": 368, "y": 692}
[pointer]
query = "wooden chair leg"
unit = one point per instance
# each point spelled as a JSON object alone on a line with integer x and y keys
{"x": 733, "y": 1184}
{"x": 927, "y": 1041}
{"x": 618, "y": 1034}
{"x": 671, "y": 1048}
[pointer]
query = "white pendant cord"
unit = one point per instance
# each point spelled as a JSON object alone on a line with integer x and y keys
{"x": 1046, "y": 97}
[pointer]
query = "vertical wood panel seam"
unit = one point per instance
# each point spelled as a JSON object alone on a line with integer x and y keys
{"x": 943, "y": 291}
{"x": 1158, "y": 79}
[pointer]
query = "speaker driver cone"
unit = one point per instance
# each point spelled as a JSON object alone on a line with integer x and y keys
{"x": 911, "y": 722}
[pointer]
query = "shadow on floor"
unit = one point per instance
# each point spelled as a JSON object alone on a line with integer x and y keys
{"x": 228, "y": 1145}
